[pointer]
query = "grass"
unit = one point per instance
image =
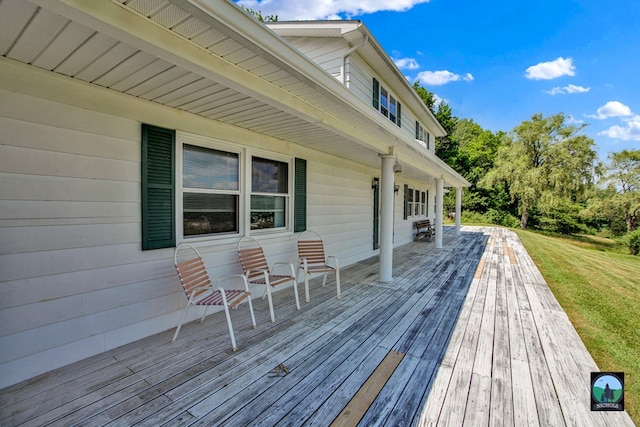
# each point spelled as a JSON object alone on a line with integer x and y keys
{"x": 598, "y": 285}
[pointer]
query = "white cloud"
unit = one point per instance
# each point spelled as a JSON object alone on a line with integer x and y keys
{"x": 631, "y": 130}
{"x": 407, "y": 63}
{"x": 612, "y": 109}
{"x": 567, "y": 90}
{"x": 552, "y": 69}
{"x": 288, "y": 10}
{"x": 442, "y": 77}
{"x": 573, "y": 121}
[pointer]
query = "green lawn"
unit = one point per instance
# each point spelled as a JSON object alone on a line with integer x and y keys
{"x": 598, "y": 285}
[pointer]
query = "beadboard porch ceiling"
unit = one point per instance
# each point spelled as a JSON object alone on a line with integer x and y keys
{"x": 221, "y": 65}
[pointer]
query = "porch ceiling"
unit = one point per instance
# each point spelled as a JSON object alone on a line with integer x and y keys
{"x": 160, "y": 51}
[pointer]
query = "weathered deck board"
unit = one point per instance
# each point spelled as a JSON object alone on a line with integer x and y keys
{"x": 484, "y": 343}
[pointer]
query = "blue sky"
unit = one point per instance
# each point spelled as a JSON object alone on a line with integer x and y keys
{"x": 498, "y": 62}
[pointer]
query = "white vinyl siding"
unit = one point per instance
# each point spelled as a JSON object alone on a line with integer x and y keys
{"x": 326, "y": 52}
{"x": 74, "y": 281}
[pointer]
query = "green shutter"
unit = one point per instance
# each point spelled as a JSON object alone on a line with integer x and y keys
{"x": 376, "y": 213}
{"x": 428, "y": 138}
{"x": 417, "y": 130}
{"x": 399, "y": 115}
{"x": 158, "y": 188}
{"x": 376, "y": 94}
{"x": 427, "y": 204}
{"x": 405, "y": 214}
{"x": 300, "y": 196}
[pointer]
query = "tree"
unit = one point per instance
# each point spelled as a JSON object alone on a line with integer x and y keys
{"x": 257, "y": 14}
{"x": 427, "y": 97}
{"x": 622, "y": 175}
{"x": 547, "y": 165}
{"x": 477, "y": 148}
{"x": 447, "y": 146}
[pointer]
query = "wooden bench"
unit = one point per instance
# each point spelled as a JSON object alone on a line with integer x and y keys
{"x": 424, "y": 229}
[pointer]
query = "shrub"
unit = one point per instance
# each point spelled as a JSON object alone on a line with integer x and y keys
{"x": 632, "y": 240}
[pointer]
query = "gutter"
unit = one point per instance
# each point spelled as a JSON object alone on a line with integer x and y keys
{"x": 346, "y": 56}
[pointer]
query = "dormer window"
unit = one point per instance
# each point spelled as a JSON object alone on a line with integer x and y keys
{"x": 386, "y": 103}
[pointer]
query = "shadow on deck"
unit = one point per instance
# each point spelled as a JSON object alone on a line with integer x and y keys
{"x": 472, "y": 335}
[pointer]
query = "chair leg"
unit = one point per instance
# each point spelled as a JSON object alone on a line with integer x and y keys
{"x": 253, "y": 317}
{"x": 184, "y": 313}
{"x": 306, "y": 286}
{"x": 338, "y": 282}
{"x": 206, "y": 308}
{"x": 295, "y": 291}
{"x": 226, "y": 312}
{"x": 324, "y": 280}
{"x": 273, "y": 315}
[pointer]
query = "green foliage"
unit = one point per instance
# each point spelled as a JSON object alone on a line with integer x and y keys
{"x": 257, "y": 14}
{"x": 632, "y": 240}
{"x": 622, "y": 175}
{"x": 427, "y": 97}
{"x": 546, "y": 165}
{"x": 542, "y": 171}
{"x": 502, "y": 218}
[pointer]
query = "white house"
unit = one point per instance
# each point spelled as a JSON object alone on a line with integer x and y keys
{"x": 127, "y": 127}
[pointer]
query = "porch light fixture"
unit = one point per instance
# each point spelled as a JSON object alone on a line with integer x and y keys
{"x": 396, "y": 188}
{"x": 397, "y": 168}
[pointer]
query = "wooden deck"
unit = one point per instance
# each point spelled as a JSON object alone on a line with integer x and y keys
{"x": 467, "y": 335}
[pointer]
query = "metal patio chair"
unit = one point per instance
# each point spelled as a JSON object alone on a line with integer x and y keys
{"x": 256, "y": 270}
{"x": 200, "y": 291}
{"x": 313, "y": 260}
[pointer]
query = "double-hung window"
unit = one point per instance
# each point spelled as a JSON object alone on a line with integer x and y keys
{"x": 423, "y": 135}
{"x": 210, "y": 191}
{"x": 269, "y": 193}
{"x": 198, "y": 188}
{"x": 415, "y": 202}
{"x": 386, "y": 103}
{"x": 393, "y": 109}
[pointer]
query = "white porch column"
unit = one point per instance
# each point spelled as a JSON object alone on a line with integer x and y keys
{"x": 439, "y": 207}
{"x": 458, "y": 209}
{"x": 387, "y": 181}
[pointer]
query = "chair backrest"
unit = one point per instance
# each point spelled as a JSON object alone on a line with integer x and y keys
{"x": 252, "y": 258}
{"x": 311, "y": 247}
{"x": 191, "y": 270}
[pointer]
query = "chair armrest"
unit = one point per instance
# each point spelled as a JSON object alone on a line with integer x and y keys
{"x": 284, "y": 264}
{"x": 234, "y": 276}
{"x": 198, "y": 289}
{"x": 334, "y": 258}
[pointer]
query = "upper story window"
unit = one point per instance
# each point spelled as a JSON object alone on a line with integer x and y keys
{"x": 386, "y": 103}
{"x": 423, "y": 135}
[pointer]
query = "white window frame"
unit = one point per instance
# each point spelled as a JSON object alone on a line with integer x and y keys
{"x": 245, "y": 156}
{"x": 249, "y": 191}
{"x": 424, "y": 136}
{"x": 417, "y": 207}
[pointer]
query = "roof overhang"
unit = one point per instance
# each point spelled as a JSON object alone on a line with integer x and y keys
{"x": 208, "y": 58}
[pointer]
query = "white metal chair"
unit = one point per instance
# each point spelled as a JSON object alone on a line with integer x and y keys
{"x": 256, "y": 270}
{"x": 313, "y": 260}
{"x": 200, "y": 291}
